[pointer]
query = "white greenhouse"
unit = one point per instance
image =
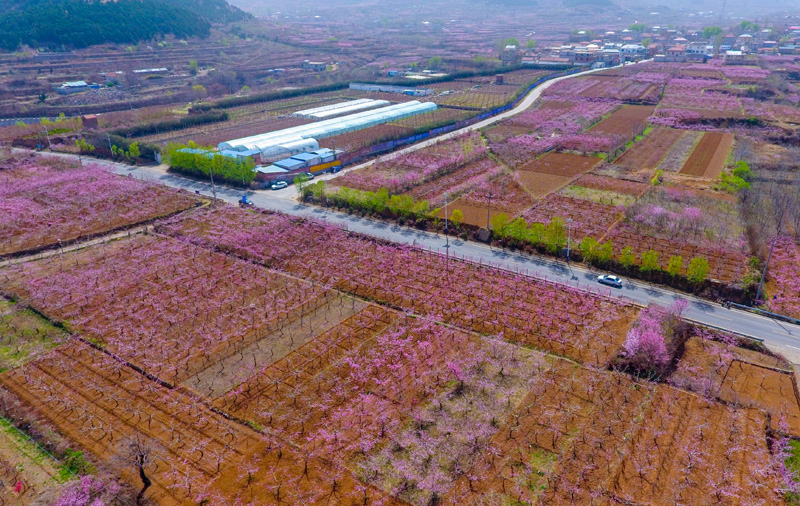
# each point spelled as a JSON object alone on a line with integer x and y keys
{"x": 330, "y": 111}
{"x": 304, "y": 137}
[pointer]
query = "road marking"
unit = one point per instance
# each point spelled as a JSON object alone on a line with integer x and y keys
{"x": 784, "y": 333}
{"x": 790, "y": 346}
{"x": 722, "y": 317}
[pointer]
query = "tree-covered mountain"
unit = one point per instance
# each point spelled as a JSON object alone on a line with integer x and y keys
{"x": 82, "y": 23}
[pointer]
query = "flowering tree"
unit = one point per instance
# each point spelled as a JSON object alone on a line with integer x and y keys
{"x": 652, "y": 340}
{"x": 90, "y": 490}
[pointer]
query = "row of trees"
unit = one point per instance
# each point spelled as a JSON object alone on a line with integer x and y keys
{"x": 380, "y": 202}
{"x": 200, "y": 161}
{"x": 553, "y": 238}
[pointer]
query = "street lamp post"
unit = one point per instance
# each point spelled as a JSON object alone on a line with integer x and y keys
{"x": 569, "y": 235}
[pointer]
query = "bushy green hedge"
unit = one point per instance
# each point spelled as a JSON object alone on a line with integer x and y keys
{"x": 223, "y": 168}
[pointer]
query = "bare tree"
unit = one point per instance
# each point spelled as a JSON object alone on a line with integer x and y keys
{"x": 140, "y": 453}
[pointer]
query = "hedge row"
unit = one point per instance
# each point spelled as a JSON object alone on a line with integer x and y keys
{"x": 171, "y": 125}
{"x": 229, "y": 102}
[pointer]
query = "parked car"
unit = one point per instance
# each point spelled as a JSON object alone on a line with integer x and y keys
{"x": 309, "y": 175}
{"x": 610, "y": 280}
{"x": 279, "y": 185}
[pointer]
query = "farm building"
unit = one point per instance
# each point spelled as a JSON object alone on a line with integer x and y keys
{"x": 333, "y": 110}
{"x": 388, "y": 88}
{"x": 299, "y": 139}
{"x": 75, "y": 87}
{"x": 269, "y": 173}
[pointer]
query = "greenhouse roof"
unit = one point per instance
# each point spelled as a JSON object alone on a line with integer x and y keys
{"x": 330, "y": 127}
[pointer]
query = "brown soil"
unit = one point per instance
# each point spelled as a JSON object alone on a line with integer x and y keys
{"x": 627, "y": 121}
{"x": 680, "y": 151}
{"x": 588, "y": 218}
{"x": 649, "y": 152}
{"x": 538, "y": 184}
{"x": 671, "y": 459}
{"x": 708, "y": 158}
{"x": 294, "y": 332}
{"x": 101, "y": 406}
{"x": 562, "y": 164}
{"x": 474, "y": 215}
{"x": 767, "y": 389}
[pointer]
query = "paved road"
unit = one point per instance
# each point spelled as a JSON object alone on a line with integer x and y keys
{"x": 534, "y": 95}
{"x": 779, "y": 336}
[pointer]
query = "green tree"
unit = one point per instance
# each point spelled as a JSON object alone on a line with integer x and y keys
{"x": 555, "y": 235}
{"x": 134, "y": 151}
{"x": 435, "y": 62}
{"x": 588, "y": 249}
{"x": 605, "y": 252}
{"x": 457, "y": 217}
{"x": 675, "y": 265}
{"x": 647, "y": 41}
{"x": 737, "y": 181}
{"x": 530, "y": 44}
{"x": 511, "y": 42}
{"x": 499, "y": 223}
{"x": 638, "y": 27}
{"x": 747, "y": 26}
{"x": 649, "y": 262}
{"x": 199, "y": 91}
{"x": 536, "y": 233}
{"x": 300, "y": 182}
{"x": 710, "y": 32}
{"x": 697, "y": 271}
{"x": 83, "y": 146}
{"x": 627, "y": 258}
{"x": 742, "y": 171}
{"x": 193, "y": 67}
{"x": 401, "y": 205}
{"x": 517, "y": 229}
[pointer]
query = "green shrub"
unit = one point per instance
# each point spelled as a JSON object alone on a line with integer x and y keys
{"x": 698, "y": 270}
{"x": 675, "y": 265}
{"x": 627, "y": 257}
{"x": 650, "y": 262}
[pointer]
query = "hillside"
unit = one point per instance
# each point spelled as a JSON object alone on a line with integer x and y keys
{"x": 82, "y": 23}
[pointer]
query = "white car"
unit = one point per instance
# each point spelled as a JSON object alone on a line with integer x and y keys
{"x": 279, "y": 185}
{"x": 610, "y": 280}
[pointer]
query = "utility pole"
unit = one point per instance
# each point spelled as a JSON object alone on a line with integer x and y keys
{"x": 489, "y": 211}
{"x": 769, "y": 256}
{"x": 764, "y": 274}
{"x": 446, "y": 236}
{"x": 569, "y": 235}
{"x": 211, "y": 174}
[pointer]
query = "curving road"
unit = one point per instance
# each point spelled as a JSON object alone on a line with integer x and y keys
{"x": 781, "y": 337}
{"x": 534, "y": 95}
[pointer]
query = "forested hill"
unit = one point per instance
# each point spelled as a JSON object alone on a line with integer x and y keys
{"x": 82, "y": 23}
